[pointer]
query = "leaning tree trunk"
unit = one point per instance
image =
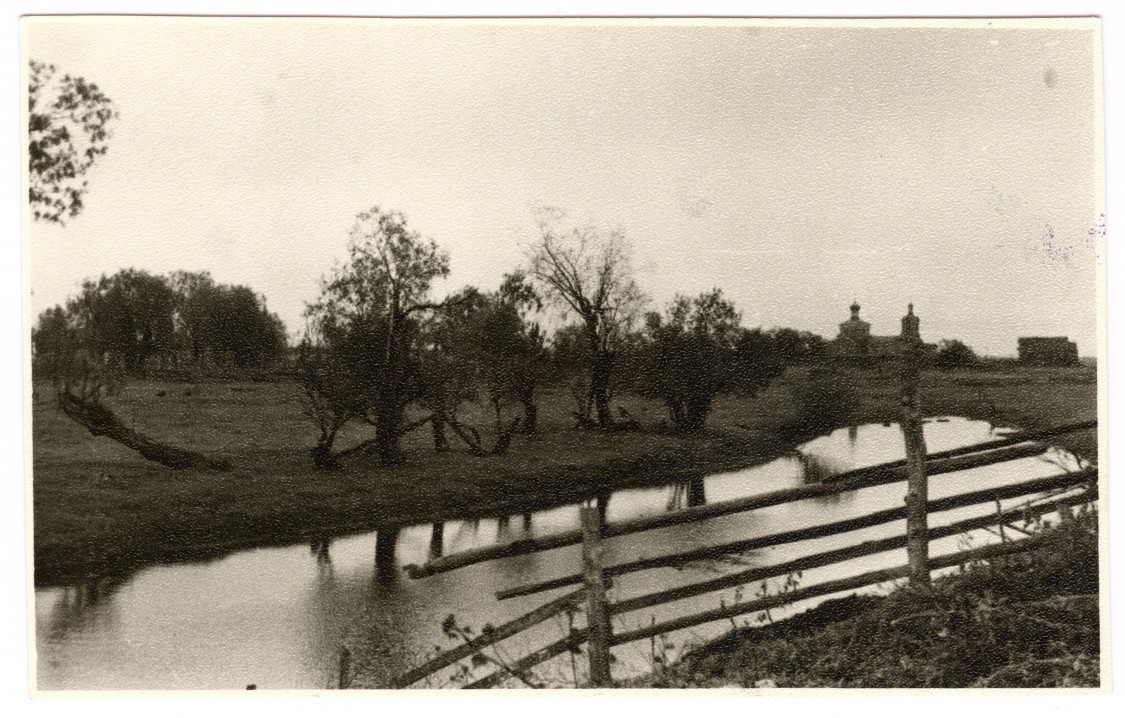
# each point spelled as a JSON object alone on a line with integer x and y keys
{"x": 100, "y": 420}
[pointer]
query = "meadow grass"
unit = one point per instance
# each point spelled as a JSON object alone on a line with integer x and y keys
{"x": 101, "y": 509}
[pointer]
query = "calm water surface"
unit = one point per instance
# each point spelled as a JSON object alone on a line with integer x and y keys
{"x": 277, "y": 617}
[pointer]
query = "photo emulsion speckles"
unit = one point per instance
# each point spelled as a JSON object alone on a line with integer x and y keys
{"x": 434, "y": 354}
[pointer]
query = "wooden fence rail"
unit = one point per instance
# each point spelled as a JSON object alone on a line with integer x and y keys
{"x": 850, "y": 481}
{"x": 601, "y": 637}
{"x": 812, "y": 532}
{"x": 827, "y": 558}
{"x": 576, "y": 638}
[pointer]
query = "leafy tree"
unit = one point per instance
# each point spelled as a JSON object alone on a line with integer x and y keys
{"x": 588, "y": 272}
{"x": 698, "y": 349}
{"x": 954, "y": 353}
{"x": 225, "y": 324}
{"x": 484, "y": 349}
{"x": 825, "y": 399}
{"x": 798, "y": 347}
{"x": 510, "y": 351}
{"x": 364, "y": 330}
{"x": 126, "y": 317}
{"x": 68, "y": 129}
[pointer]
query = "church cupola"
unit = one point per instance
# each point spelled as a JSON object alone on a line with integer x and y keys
{"x": 910, "y": 323}
{"x": 855, "y": 309}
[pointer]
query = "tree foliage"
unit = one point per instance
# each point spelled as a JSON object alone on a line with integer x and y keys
{"x": 954, "y": 353}
{"x": 588, "y": 272}
{"x": 68, "y": 129}
{"x": 698, "y": 349}
{"x": 798, "y": 347}
{"x": 362, "y": 357}
{"x": 486, "y": 349}
{"x": 133, "y": 320}
{"x": 113, "y": 327}
{"x": 223, "y": 324}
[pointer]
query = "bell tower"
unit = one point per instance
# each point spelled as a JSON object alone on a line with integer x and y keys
{"x": 910, "y": 324}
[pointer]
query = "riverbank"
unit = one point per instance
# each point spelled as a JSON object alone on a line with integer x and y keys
{"x": 1023, "y": 621}
{"x": 100, "y": 509}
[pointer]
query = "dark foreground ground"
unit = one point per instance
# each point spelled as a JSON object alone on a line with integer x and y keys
{"x": 100, "y": 508}
{"x": 1023, "y": 621}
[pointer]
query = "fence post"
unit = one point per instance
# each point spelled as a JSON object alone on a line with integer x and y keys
{"x": 597, "y": 613}
{"x": 344, "y": 673}
{"x": 917, "y": 539}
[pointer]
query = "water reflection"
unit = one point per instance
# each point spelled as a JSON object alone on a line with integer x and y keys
{"x": 278, "y": 617}
{"x": 84, "y": 607}
{"x": 437, "y": 539}
{"x": 687, "y": 494}
{"x": 385, "y": 543}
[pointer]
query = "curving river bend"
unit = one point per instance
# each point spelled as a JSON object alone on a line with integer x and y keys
{"x": 277, "y": 617}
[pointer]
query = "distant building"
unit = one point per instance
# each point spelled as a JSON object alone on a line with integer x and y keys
{"x": 1048, "y": 351}
{"x": 855, "y": 344}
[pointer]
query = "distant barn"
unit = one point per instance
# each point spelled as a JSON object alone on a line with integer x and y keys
{"x": 1048, "y": 351}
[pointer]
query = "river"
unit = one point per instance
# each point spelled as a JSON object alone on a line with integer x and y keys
{"x": 277, "y": 617}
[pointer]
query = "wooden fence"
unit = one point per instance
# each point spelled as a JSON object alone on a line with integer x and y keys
{"x": 1050, "y": 494}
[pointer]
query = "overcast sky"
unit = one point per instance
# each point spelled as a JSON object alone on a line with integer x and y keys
{"x": 796, "y": 168}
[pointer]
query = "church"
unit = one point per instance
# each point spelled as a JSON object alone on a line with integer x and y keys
{"x": 856, "y": 344}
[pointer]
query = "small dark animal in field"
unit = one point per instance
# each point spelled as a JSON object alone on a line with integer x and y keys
{"x": 187, "y": 392}
{"x": 160, "y": 392}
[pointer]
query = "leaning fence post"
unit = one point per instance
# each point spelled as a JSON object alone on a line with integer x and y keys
{"x": 597, "y": 613}
{"x": 917, "y": 539}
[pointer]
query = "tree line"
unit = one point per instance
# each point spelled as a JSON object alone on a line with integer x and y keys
{"x": 378, "y": 342}
{"x": 136, "y": 321}
{"x": 380, "y": 350}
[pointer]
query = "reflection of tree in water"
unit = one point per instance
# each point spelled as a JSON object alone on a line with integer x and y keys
{"x": 687, "y": 494}
{"x": 385, "y": 642}
{"x": 437, "y": 539}
{"x": 385, "y": 541}
{"x": 84, "y": 606}
{"x": 503, "y": 529}
{"x": 603, "y": 506}
{"x": 321, "y": 548}
{"x": 818, "y": 470}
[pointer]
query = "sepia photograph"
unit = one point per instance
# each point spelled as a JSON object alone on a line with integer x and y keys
{"x": 544, "y": 353}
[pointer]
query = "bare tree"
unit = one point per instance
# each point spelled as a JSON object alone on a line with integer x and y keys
{"x": 588, "y": 271}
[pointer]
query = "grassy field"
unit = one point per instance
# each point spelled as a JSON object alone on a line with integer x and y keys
{"x": 99, "y": 508}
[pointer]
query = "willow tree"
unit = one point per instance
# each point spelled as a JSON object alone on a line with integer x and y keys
{"x": 588, "y": 271}
{"x": 365, "y": 328}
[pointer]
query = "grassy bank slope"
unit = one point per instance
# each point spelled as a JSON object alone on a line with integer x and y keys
{"x": 1027, "y": 620}
{"x": 99, "y": 508}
